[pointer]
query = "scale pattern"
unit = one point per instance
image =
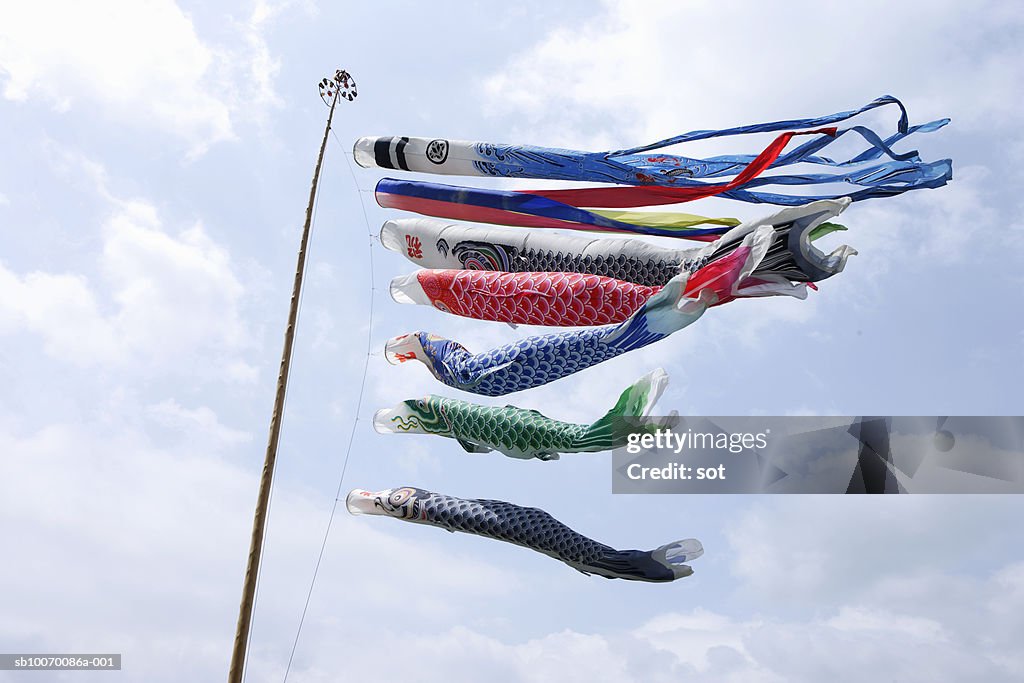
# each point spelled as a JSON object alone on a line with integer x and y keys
{"x": 650, "y": 272}
{"x": 531, "y": 528}
{"x": 513, "y": 523}
{"x": 538, "y": 360}
{"x": 563, "y": 299}
{"x": 514, "y": 431}
{"x": 533, "y": 361}
{"x": 522, "y": 433}
{"x": 518, "y": 429}
{"x": 436, "y": 244}
{"x": 530, "y": 298}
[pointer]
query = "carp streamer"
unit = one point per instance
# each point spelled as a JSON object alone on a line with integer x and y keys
{"x": 727, "y": 271}
{"x": 617, "y": 294}
{"x": 535, "y": 361}
{"x": 648, "y": 179}
{"x": 529, "y": 527}
{"x": 580, "y": 299}
{"x": 521, "y": 433}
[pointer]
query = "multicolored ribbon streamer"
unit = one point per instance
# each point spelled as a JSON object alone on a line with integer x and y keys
{"x": 531, "y": 211}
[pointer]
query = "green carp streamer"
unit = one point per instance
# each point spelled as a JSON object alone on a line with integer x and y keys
{"x": 521, "y": 433}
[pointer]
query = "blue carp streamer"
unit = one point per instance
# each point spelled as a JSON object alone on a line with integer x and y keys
{"x": 541, "y": 359}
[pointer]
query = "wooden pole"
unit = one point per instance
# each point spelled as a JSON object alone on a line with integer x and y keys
{"x": 339, "y": 88}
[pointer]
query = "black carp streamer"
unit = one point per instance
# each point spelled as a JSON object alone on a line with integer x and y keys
{"x": 528, "y": 527}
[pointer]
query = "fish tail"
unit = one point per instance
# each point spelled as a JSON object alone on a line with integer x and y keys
{"x": 667, "y": 563}
{"x": 674, "y": 556}
{"x": 636, "y": 401}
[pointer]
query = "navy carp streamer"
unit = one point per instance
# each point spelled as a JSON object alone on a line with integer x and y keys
{"x": 529, "y": 527}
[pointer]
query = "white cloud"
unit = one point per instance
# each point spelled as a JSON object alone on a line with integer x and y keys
{"x": 242, "y": 372}
{"x": 191, "y": 421}
{"x": 173, "y": 293}
{"x": 62, "y": 309}
{"x": 852, "y": 545}
{"x": 700, "y": 646}
{"x": 142, "y": 63}
{"x": 864, "y": 620}
{"x": 112, "y": 528}
{"x": 261, "y": 64}
{"x": 929, "y": 229}
{"x": 160, "y": 296}
{"x": 631, "y": 76}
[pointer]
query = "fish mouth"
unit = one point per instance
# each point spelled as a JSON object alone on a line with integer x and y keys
{"x": 390, "y": 236}
{"x": 404, "y": 348}
{"x": 398, "y": 420}
{"x": 816, "y": 264}
{"x": 385, "y": 421}
{"x": 382, "y": 421}
{"x": 362, "y": 502}
{"x": 362, "y": 152}
{"x": 406, "y": 289}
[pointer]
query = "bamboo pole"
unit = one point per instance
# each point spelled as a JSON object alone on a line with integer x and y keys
{"x": 333, "y": 89}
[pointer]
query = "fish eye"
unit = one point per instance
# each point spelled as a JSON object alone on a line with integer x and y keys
{"x": 399, "y": 497}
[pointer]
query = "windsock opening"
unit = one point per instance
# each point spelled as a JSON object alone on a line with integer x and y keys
{"x": 391, "y": 236}
{"x": 406, "y": 289}
{"x": 360, "y": 502}
{"x": 814, "y": 262}
{"x": 362, "y": 152}
{"x": 404, "y": 348}
{"x": 382, "y": 421}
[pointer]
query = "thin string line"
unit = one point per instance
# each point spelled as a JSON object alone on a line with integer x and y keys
{"x": 355, "y": 422}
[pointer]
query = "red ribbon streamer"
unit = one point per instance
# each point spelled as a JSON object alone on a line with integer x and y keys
{"x": 626, "y": 197}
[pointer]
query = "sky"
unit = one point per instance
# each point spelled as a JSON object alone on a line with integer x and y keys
{"x": 157, "y": 157}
